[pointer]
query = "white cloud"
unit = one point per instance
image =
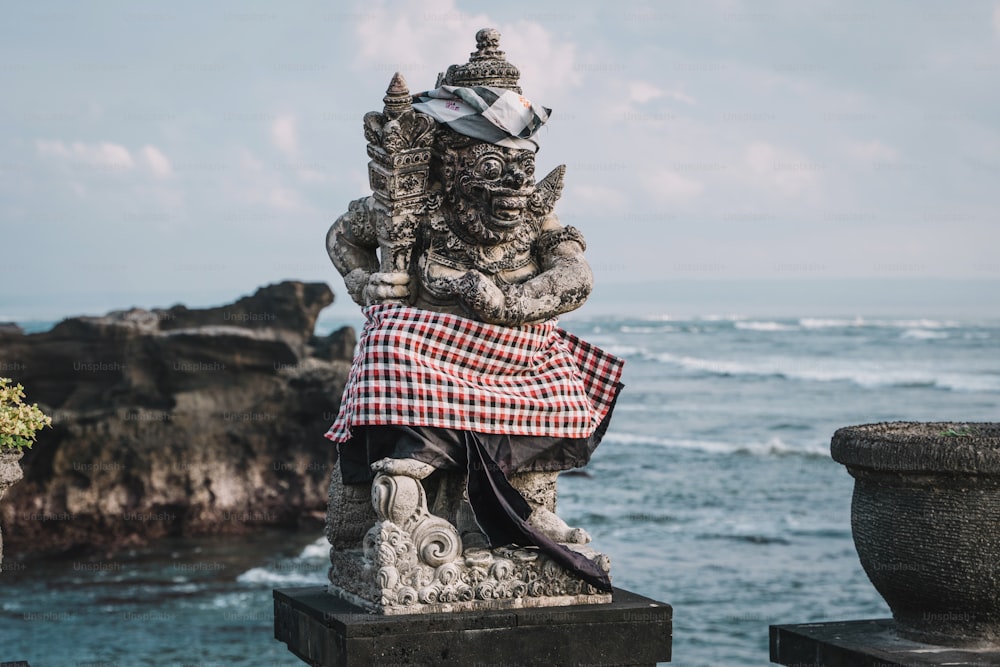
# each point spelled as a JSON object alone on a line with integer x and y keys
{"x": 284, "y": 135}
{"x": 783, "y": 170}
{"x": 310, "y": 175}
{"x": 105, "y": 155}
{"x": 418, "y": 39}
{"x": 548, "y": 66}
{"x": 680, "y": 96}
{"x": 635, "y": 100}
{"x": 668, "y": 185}
{"x": 157, "y": 162}
{"x": 641, "y": 92}
{"x": 285, "y": 199}
{"x": 593, "y": 199}
{"x": 422, "y": 39}
{"x": 248, "y": 161}
{"x": 872, "y": 151}
{"x": 258, "y": 183}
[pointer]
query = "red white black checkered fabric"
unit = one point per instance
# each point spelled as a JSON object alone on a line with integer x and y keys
{"x": 421, "y": 368}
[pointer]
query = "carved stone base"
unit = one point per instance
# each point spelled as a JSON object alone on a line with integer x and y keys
{"x": 412, "y": 561}
{"x": 480, "y": 579}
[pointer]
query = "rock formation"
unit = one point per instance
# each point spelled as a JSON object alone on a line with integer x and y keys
{"x": 176, "y": 421}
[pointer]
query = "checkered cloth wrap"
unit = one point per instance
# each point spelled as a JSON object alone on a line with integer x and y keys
{"x": 495, "y": 115}
{"x": 421, "y": 368}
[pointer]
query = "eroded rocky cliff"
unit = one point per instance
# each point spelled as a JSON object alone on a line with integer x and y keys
{"x": 176, "y": 421}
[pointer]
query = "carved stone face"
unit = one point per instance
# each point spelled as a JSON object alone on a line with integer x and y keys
{"x": 488, "y": 188}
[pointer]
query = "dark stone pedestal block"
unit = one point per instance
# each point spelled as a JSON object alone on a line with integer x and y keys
{"x": 324, "y": 630}
{"x": 866, "y": 644}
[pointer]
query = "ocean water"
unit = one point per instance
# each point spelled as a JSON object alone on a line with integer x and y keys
{"x": 713, "y": 491}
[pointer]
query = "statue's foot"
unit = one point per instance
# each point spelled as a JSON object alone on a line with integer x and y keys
{"x": 557, "y": 529}
{"x": 406, "y": 467}
{"x": 474, "y": 540}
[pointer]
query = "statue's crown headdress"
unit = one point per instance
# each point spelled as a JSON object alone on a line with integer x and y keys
{"x": 487, "y": 66}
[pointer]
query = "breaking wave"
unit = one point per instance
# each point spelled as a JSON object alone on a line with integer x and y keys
{"x": 773, "y": 447}
{"x": 306, "y": 569}
{"x": 831, "y": 370}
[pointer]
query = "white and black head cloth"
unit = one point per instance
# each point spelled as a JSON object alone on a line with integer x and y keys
{"x": 481, "y": 99}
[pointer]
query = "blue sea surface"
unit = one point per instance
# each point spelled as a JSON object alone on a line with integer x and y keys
{"x": 713, "y": 491}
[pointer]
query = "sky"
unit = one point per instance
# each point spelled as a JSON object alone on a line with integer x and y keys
{"x": 158, "y": 153}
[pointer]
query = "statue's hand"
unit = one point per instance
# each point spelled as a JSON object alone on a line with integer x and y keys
{"x": 481, "y": 296}
{"x": 388, "y": 288}
{"x": 357, "y": 284}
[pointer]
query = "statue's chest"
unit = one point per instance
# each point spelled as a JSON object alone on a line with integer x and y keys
{"x": 500, "y": 260}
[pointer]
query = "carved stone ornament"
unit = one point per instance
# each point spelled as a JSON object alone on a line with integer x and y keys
{"x": 399, "y": 141}
{"x": 412, "y": 561}
{"x": 458, "y": 225}
{"x": 486, "y": 67}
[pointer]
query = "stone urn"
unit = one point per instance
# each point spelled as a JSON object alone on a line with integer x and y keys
{"x": 10, "y": 474}
{"x": 926, "y": 522}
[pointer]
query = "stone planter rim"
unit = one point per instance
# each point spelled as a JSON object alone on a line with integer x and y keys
{"x": 919, "y": 447}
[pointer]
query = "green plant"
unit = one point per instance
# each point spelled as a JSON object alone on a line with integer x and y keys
{"x": 19, "y": 423}
{"x": 961, "y": 432}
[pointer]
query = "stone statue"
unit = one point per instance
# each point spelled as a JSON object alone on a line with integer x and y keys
{"x": 465, "y": 399}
